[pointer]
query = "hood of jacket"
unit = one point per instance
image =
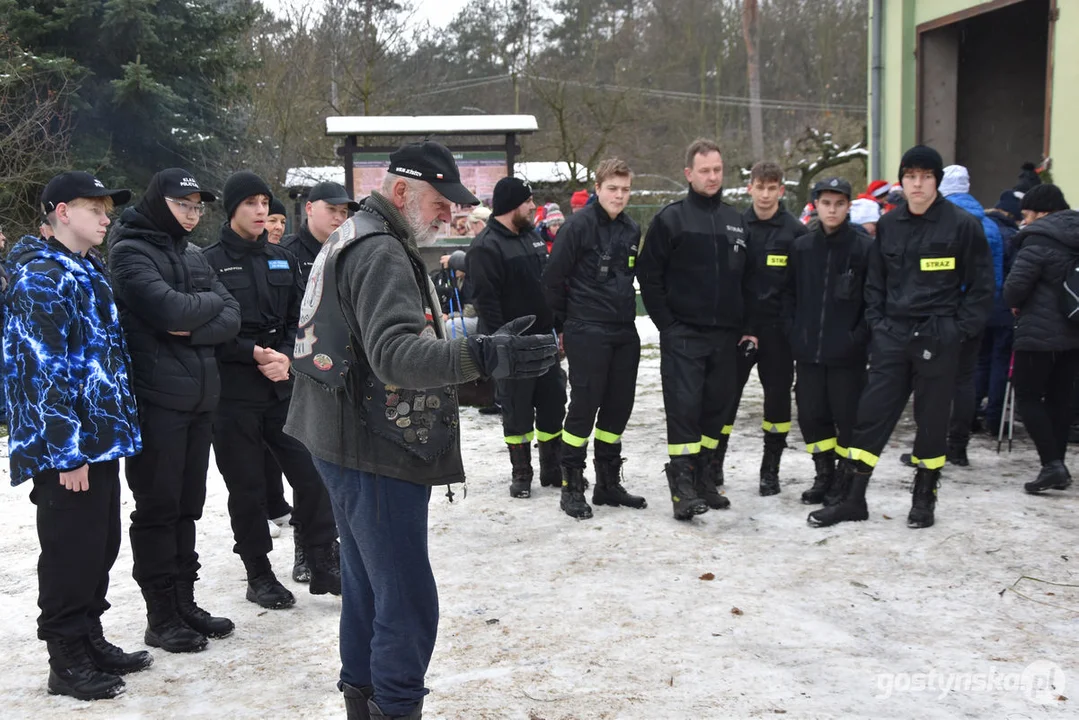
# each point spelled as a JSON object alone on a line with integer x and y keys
{"x": 1061, "y": 226}
{"x": 133, "y": 225}
{"x": 967, "y": 202}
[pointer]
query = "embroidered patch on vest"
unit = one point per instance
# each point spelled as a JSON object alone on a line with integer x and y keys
{"x": 935, "y": 264}
{"x": 777, "y": 261}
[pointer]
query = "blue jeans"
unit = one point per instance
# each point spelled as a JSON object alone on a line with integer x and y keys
{"x": 389, "y": 602}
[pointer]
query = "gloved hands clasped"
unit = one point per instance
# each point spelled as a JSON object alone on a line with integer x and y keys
{"x": 507, "y": 354}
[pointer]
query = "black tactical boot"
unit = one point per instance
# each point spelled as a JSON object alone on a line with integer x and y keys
{"x": 301, "y": 571}
{"x": 377, "y": 714}
{"x": 925, "y": 498}
{"x": 850, "y": 486}
{"x": 195, "y": 617}
{"x": 356, "y": 701}
{"x": 521, "y": 479}
{"x": 73, "y": 673}
{"x": 608, "y": 489}
{"x": 111, "y": 659}
{"x": 720, "y": 454}
{"x": 834, "y": 493}
{"x": 550, "y": 457}
{"x": 709, "y": 477}
{"x": 573, "y": 487}
{"x": 1053, "y": 476}
{"x": 681, "y": 478}
{"x": 957, "y": 453}
{"x": 825, "y": 465}
{"x": 774, "y": 443}
{"x": 264, "y": 588}
{"x": 325, "y": 569}
{"x": 165, "y": 628}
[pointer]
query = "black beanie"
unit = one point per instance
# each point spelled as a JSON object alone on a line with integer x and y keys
{"x": 1047, "y": 198}
{"x": 240, "y": 186}
{"x": 922, "y": 157}
{"x": 277, "y": 207}
{"x": 510, "y": 194}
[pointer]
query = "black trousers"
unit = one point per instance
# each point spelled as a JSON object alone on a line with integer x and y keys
{"x": 925, "y": 363}
{"x": 79, "y": 533}
{"x": 603, "y": 379}
{"x": 1044, "y": 383}
{"x": 538, "y": 403}
{"x": 276, "y": 505}
{"x": 775, "y": 368}
{"x": 168, "y": 482}
{"x": 242, "y": 433}
{"x": 828, "y": 405}
{"x": 698, "y": 370}
{"x": 965, "y": 398}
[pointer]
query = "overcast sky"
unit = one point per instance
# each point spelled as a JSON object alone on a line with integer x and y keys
{"x": 437, "y": 12}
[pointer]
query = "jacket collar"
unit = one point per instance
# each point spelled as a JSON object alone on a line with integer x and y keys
{"x": 393, "y": 217}
{"x": 776, "y": 219}
{"x": 308, "y": 240}
{"x": 236, "y": 246}
{"x": 708, "y": 203}
{"x": 932, "y": 213}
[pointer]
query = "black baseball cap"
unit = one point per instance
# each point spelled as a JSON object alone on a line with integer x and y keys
{"x": 432, "y": 162}
{"x": 333, "y": 194}
{"x": 74, "y": 184}
{"x": 834, "y": 184}
{"x": 178, "y": 183}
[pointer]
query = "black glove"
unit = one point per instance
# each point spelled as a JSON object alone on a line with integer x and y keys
{"x": 510, "y": 355}
{"x": 749, "y": 350}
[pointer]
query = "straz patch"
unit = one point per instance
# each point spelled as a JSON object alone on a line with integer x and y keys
{"x": 937, "y": 264}
{"x": 278, "y": 264}
{"x": 777, "y": 261}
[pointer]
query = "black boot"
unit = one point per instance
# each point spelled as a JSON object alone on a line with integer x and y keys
{"x": 825, "y": 465}
{"x": 850, "y": 485}
{"x": 73, "y": 673}
{"x": 165, "y": 628}
{"x": 608, "y": 489}
{"x": 550, "y": 457}
{"x": 325, "y": 569}
{"x": 925, "y": 498}
{"x": 774, "y": 444}
{"x": 681, "y": 478}
{"x": 377, "y": 714}
{"x": 957, "y": 453}
{"x": 356, "y": 701}
{"x": 573, "y": 487}
{"x": 111, "y": 659}
{"x": 836, "y": 491}
{"x": 709, "y": 477}
{"x": 719, "y": 455}
{"x": 1053, "y": 476}
{"x": 263, "y": 587}
{"x": 301, "y": 572}
{"x": 195, "y": 617}
{"x": 521, "y": 479}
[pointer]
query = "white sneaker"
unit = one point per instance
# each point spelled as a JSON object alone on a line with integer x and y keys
{"x": 275, "y": 530}
{"x": 281, "y": 521}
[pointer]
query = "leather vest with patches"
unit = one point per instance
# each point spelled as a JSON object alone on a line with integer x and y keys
{"x": 329, "y": 351}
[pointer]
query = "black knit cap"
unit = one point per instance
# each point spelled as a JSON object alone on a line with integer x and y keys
{"x": 240, "y": 186}
{"x": 277, "y": 207}
{"x": 1047, "y": 198}
{"x": 510, "y": 193}
{"x": 922, "y": 157}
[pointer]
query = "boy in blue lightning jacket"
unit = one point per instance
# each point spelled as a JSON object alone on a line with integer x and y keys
{"x": 73, "y": 416}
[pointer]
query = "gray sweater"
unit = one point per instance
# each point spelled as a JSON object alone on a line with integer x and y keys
{"x": 378, "y": 291}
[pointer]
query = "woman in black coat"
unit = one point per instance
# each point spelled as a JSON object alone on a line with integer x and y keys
{"x": 1046, "y": 341}
{"x": 174, "y": 312}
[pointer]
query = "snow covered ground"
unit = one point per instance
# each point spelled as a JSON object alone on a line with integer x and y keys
{"x": 743, "y": 613}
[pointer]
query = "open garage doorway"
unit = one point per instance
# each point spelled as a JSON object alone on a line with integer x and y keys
{"x": 983, "y": 100}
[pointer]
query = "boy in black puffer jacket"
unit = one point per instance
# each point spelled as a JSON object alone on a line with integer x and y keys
{"x": 1046, "y": 342}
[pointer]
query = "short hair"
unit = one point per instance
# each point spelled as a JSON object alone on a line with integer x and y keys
{"x": 701, "y": 146}
{"x": 1047, "y": 198}
{"x": 612, "y": 167}
{"x": 413, "y": 184}
{"x": 766, "y": 171}
{"x": 105, "y": 203}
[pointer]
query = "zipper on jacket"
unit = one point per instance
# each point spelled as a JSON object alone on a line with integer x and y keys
{"x": 824, "y": 299}
{"x": 715, "y": 296}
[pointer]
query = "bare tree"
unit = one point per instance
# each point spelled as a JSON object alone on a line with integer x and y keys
{"x": 751, "y": 31}
{"x": 816, "y": 152}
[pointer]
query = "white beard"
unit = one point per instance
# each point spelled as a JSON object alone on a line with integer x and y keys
{"x": 424, "y": 235}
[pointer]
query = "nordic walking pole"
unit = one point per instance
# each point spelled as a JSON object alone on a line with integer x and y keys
{"x": 1009, "y": 402}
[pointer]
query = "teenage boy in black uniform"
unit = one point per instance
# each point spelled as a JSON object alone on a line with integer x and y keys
{"x": 589, "y": 286}
{"x": 256, "y": 387}
{"x": 772, "y": 230}
{"x": 73, "y": 416}
{"x": 505, "y": 266}
{"x": 824, "y": 312}
{"x": 929, "y": 287}
{"x": 695, "y": 281}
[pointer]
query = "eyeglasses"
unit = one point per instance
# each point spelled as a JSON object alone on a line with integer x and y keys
{"x": 188, "y": 208}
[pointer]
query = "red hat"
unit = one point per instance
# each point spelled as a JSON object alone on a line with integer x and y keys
{"x": 878, "y": 189}
{"x": 579, "y": 199}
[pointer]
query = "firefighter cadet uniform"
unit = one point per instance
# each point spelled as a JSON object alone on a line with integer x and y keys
{"x": 695, "y": 281}
{"x": 769, "y": 246}
{"x": 589, "y": 286}
{"x": 929, "y": 287}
